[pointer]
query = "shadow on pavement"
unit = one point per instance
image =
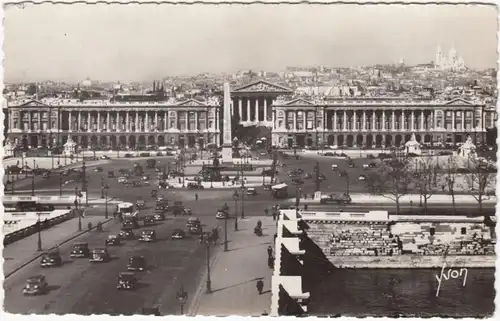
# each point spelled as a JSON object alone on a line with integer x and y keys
{"x": 250, "y": 246}
{"x": 235, "y": 285}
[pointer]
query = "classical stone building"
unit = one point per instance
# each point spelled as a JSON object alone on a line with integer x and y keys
{"x": 114, "y": 124}
{"x": 377, "y": 122}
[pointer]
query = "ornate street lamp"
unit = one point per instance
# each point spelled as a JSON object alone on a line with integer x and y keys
{"x": 182, "y": 297}
{"x": 102, "y": 186}
{"x": 60, "y": 184}
{"x": 225, "y": 230}
{"x": 235, "y": 197}
{"x": 207, "y": 244}
{"x": 77, "y": 210}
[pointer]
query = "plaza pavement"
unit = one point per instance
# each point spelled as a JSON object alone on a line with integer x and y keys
{"x": 406, "y": 199}
{"x": 235, "y": 273}
{"x": 24, "y": 251}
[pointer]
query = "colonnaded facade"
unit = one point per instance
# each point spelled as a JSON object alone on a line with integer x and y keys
{"x": 378, "y": 122}
{"x": 114, "y": 124}
{"x": 343, "y": 122}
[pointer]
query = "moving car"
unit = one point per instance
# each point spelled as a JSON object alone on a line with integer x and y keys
{"x": 140, "y": 204}
{"x": 113, "y": 240}
{"x": 111, "y": 174}
{"x": 130, "y": 223}
{"x": 36, "y": 285}
{"x": 126, "y": 234}
{"x": 178, "y": 234}
{"x": 50, "y": 259}
{"x": 136, "y": 263}
{"x": 307, "y": 176}
{"x": 362, "y": 177}
{"x": 148, "y": 236}
{"x": 98, "y": 169}
{"x": 80, "y": 250}
{"x": 195, "y": 229}
{"x": 105, "y": 157}
{"x": 100, "y": 255}
{"x": 193, "y": 185}
{"x": 335, "y": 167}
{"x": 149, "y": 220}
{"x": 187, "y": 211}
{"x": 126, "y": 281}
{"x": 221, "y": 214}
{"x": 159, "y": 216}
{"x": 193, "y": 221}
{"x": 251, "y": 191}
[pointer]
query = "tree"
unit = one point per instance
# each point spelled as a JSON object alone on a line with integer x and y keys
{"x": 392, "y": 180}
{"x": 31, "y": 90}
{"x": 451, "y": 175}
{"x": 424, "y": 176}
{"x": 481, "y": 177}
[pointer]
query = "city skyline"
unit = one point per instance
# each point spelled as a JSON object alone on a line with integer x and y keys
{"x": 229, "y": 38}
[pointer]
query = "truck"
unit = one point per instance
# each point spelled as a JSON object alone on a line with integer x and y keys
{"x": 343, "y": 198}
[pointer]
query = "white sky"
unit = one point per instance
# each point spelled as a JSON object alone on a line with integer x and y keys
{"x": 144, "y": 42}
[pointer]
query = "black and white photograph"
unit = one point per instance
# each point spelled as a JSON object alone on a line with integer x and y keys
{"x": 249, "y": 159}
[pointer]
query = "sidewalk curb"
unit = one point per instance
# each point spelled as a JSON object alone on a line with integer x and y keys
{"x": 62, "y": 243}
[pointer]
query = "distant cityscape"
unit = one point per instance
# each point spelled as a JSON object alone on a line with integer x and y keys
{"x": 318, "y": 119}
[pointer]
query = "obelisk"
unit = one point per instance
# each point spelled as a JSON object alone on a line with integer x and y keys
{"x": 227, "y": 143}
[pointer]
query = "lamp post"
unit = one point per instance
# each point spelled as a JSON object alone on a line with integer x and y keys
{"x": 106, "y": 204}
{"x": 39, "y": 223}
{"x": 26, "y": 169}
{"x": 225, "y": 231}
{"x": 182, "y": 297}
{"x": 77, "y": 210}
{"x": 102, "y": 187}
{"x": 209, "y": 282}
{"x": 84, "y": 182}
{"x": 33, "y": 184}
{"x": 60, "y": 184}
{"x": 235, "y": 197}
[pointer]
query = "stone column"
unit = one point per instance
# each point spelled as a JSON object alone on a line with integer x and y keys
{"x": 383, "y": 120}
{"x": 186, "y": 121}
{"x": 165, "y": 120}
{"x": 403, "y": 120}
{"x": 156, "y": 121}
{"x": 273, "y": 115}
{"x": 354, "y": 119}
{"x": 345, "y": 121}
{"x": 393, "y": 120}
{"x": 240, "y": 108}
{"x": 196, "y": 121}
{"x": 265, "y": 109}
{"x": 39, "y": 122}
{"x": 373, "y": 120}
{"x": 127, "y": 121}
{"x": 335, "y": 120}
{"x": 137, "y": 129}
{"x": 146, "y": 121}
{"x": 453, "y": 120}
{"x": 98, "y": 120}
{"x": 71, "y": 124}
{"x": 79, "y": 121}
{"x": 364, "y": 120}
{"x": 412, "y": 120}
{"x": 108, "y": 116}
{"x": 434, "y": 117}
{"x": 248, "y": 109}
{"x": 257, "y": 119}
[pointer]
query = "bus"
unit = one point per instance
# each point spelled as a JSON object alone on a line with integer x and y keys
{"x": 31, "y": 206}
{"x": 125, "y": 208}
{"x": 280, "y": 191}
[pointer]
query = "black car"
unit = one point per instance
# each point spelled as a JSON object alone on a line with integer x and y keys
{"x": 136, "y": 184}
{"x": 148, "y": 236}
{"x": 297, "y": 181}
{"x": 80, "y": 250}
{"x": 113, "y": 240}
{"x": 149, "y": 220}
{"x": 140, "y": 204}
{"x": 159, "y": 216}
{"x": 126, "y": 234}
{"x": 36, "y": 285}
{"x": 51, "y": 259}
{"x": 194, "y": 186}
{"x": 129, "y": 224}
{"x": 136, "y": 263}
{"x": 98, "y": 169}
{"x": 178, "y": 234}
{"x": 126, "y": 281}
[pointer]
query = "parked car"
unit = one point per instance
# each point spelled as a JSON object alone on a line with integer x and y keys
{"x": 36, "y": 285}
{"x": 140, "y": 204}
{"x": 159, "y": 217}
{"x": 80, "y": 250}
{"x": 221, "y": 214}
{"x": 51, "y": 259}
{"x": 193, "y": 221}
{"x": 127, "y": 234}
{"x": 251, "y": 191}
{"x": 149, "y": 220}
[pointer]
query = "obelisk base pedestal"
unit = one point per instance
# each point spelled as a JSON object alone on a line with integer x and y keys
{"x": 227, "y": 154}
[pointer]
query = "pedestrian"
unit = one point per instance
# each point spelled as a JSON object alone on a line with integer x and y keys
{"x": 269, "y": 251}
{"x": 442, "y": 188}
{"x": 196, "y": 196}
{"x": 274, "y": 215}
{"x": 260, "y": 286}
{"x": 270, "y": 262}
{"x": 266, "y": 211}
